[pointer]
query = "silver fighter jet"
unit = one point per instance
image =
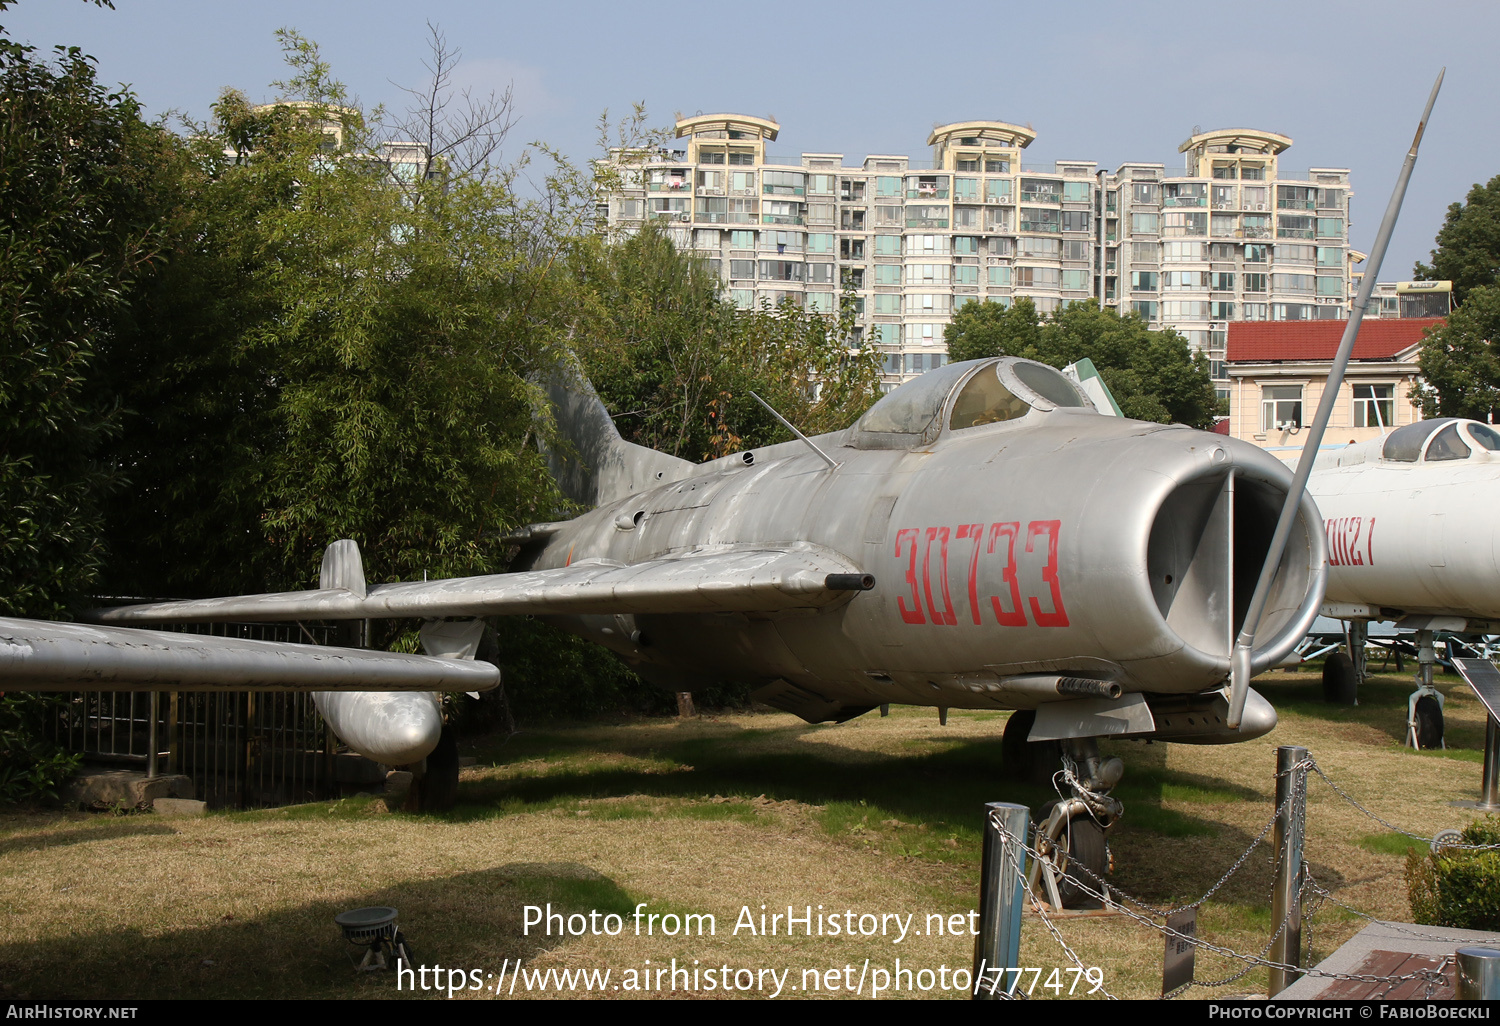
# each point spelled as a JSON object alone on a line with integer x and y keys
{"x": 982, "y": 538}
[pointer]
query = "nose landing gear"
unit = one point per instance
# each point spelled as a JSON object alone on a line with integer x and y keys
{"x": 1070, "y": 838}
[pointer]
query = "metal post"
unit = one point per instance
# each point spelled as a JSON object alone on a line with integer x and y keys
{"x": 153, "y": 709}
{"x": 1286, "y": 903}
{"x": 1478, "y": 975}
{"x": 1489, "y": 796}
{"x": 1001, "y": 895}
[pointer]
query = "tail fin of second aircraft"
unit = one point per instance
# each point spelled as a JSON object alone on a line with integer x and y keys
{"x": 603, "y": 466}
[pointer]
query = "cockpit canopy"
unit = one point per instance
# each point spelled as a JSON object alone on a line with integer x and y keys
{"x": 1435, "y": 441}
{"x": 961, "y": 396}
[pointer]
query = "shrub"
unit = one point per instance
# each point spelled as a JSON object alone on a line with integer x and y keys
{"x": 1458, "y": 887}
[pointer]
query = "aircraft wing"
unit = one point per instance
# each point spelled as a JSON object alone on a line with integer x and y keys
{"x": 45, "y": 656}
{"x": 726, "y": 581}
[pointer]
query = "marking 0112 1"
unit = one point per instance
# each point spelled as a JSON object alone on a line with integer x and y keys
{"x": 1351, "y": 541}
{"x": 920, "y": 548}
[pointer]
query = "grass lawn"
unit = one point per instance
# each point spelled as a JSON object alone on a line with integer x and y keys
{"x": 877, "y": 817}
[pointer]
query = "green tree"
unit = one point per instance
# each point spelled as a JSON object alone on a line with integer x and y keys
{"x": 1153, "y": 374}
{"x": 335, "y": 356}
{"x": 979, "y": 330}
{"x": 1468, "y": 244}
{"x": 1460, "y": 366}
{"x": 676, "y": 363}
{"x": 81, "y": 204}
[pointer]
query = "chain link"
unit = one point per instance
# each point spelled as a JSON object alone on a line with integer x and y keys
{"x": 1431, "y": 976}
{"x": 1388, "y": 825}
{"x": 1111, "y": 897}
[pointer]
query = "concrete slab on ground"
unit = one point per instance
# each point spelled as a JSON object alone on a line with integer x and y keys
{"x": 1390, "y": 950}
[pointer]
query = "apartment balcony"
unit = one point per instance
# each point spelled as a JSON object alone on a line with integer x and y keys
{"x": 1041, "y": 197}
{"x": 781, "y": 219}
{"x": 926, "y": 193}
{"x": 1291, "y": 204}
{"x": 1041, "y": 226}
{"x": 671, "y": 185}
{"x": 1292, "y": 233}
{"x": 926, "y": 222}
{"x": 784, "y": 190}
{"x": 1257, "y": 233}
{"x": 1184, "y": 201}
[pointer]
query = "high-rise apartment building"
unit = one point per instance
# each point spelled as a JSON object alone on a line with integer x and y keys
{"x": 1234, "y": 236}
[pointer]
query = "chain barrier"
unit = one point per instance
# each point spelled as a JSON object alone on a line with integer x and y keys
{"x": 1312, "y": 896}
{"x": 1311, "y": 764}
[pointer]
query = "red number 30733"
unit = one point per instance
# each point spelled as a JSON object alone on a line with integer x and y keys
{"x": 995, "y": 541}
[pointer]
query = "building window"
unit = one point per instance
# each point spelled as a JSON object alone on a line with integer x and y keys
{"x": 821, "y": 274}
{"x": 1074, "y": 280}
{"x": 888, "y": 303}
{"x": 1281, "y": 407}
{"x": 965, "y": 245}
{"x": 887, "y": 274}
{"x": 1038, "y": 277}
{"x": 1374, "y": 405}
{"x": 1182, "y": 252}
{"x": 1328, "y": 285}
{"x": 742, "y": 269}
{"x": 999, "y": 276}
{"x": 997, "y": 167}
{"x": 1223, "y": 281}
{"x": 1144, "y": 309}
{"x": 820, "y": 242}
{"x": 917, "y": 274}
{"x": 741, "y": 240}
{"x": 1330, "y": 227}
{"x": 781, "y": 270}
{"x": 820, "y": 185}
{"x": 1257, "y": 253}
{"x": 997, "y": 190}
{"x": 887, "y": 245}
{"x": 1143, "y": 224}
{"x": 1143, "y": 281}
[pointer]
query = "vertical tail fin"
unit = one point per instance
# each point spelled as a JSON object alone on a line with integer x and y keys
{"x": 603, "y": 466}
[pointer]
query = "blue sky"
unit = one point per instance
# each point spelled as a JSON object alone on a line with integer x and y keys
{"x": 1106, "y": 82}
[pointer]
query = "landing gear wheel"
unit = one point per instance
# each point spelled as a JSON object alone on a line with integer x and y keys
{"x": 437, "y": 789}
{"x": 1340, "y": 684}
{"x": 1081, "y": 851}
{"x": 1031, "y": 762}
{"x": 1429, "y": 717}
